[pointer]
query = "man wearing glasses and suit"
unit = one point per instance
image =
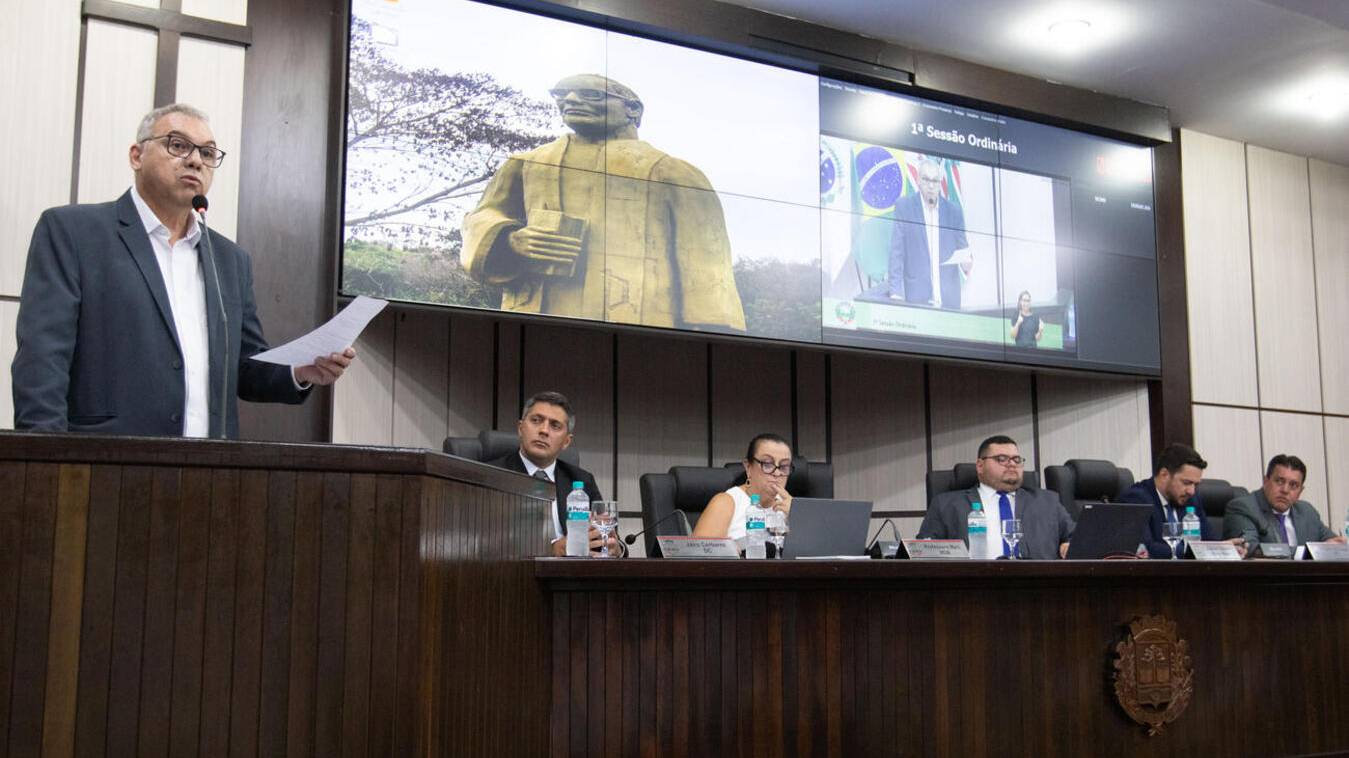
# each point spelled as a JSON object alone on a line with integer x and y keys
{"x": 1046, "y": 526}
{"x": 133, "y": 320}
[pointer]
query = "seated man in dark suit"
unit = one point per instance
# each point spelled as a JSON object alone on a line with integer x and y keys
{"x": 1046, "y": 526}
{"x": 1273, "y": 513}
{"x": 1169, "y": 491}
{"x": 545, "y": 427}
{"x": 135, "y": 320}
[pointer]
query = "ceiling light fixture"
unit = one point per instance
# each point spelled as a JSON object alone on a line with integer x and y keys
{"x": 1070, "y": 29}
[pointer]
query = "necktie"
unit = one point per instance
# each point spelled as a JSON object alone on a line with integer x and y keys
{"x": 1004, "y": 513}
{"x": 1283, "y": 527}
{"x": 541, "y": 474}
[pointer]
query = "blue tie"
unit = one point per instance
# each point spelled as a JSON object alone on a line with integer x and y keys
{"x": 1283, "y": 527}
{"x": 1004, "y": 513}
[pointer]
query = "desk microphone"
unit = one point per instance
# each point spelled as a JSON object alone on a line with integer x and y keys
{"x": 683, "y": 519}
{"x": 877, "y": 549}
{"x": 199, "y": 205}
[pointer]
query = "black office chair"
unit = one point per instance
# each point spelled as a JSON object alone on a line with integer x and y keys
{"x": 491, "y": 444}
{"x": 1083, "y": 480}
{"x": 963, "y": 476}
{"x": 689, "y": 488}
{"x": 1215, "y": 494}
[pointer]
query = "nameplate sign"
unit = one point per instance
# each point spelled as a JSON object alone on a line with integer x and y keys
{"x": 1279, "y": 550}
{"x": 1328, "y": 551}
{"x": 698, "y": 547}
{"x": 1214, "y": 551}
{"x": 937, "y": 550}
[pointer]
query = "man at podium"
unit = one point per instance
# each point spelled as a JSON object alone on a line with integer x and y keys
{"x": 134, "y": 319}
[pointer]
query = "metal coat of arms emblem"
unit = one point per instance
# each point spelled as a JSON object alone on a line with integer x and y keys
{"x": 1154, "y": 679}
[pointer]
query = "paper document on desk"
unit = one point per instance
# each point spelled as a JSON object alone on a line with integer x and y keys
{"x": 335, "y": 336}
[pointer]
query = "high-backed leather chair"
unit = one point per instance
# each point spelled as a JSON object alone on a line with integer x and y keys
{"x": 963, "y": 476}
{"x": 1084, "y": 480}
{"x": 689, "y": 488}
{"x": 491, "y": 444}
{"x": 1215, "y": 494}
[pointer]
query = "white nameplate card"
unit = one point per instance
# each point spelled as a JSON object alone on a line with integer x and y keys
{"x": 937, "y": 550}
{"x": 1214, "y": 551}
{"x": 1328, "y": 551}
{"x": 698, "y": 547}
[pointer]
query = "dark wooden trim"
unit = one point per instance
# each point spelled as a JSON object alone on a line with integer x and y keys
{"x": 272, "y": 456}
{"x": 166, "y": 19}
{"x": 166, "y": 67}
{"x": 79, "y": 116}
{"x": 1169, "y": 397}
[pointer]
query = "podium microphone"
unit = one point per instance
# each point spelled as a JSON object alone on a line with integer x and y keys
{"x": 199, "y": 205}
{"x": 877, "y": 549}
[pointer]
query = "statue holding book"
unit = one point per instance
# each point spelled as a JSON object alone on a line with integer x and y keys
{"x": 598, "y": 224}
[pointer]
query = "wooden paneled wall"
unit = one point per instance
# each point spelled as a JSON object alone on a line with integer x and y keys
{"x": 645, "y": 403}
{"x": 1267, "y": 254}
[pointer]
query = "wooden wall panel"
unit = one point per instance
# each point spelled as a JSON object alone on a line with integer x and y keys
{"x": 211, "y": 77}
{"x": 1229, "y": 439}
{"x": 509, "y": 393}
{"x": 471, "y": 374}
{"x": 1094, "y": 418}
{"x": 579, "y": 364}
{"x": 880, "y": 452}
{"x": 662, "y": 410}
{"x": 1303, "y": 435}
{"x": 39, "y": 53}
{"x": 119, "y": 88}
{"x": 1337, "y": 474}
{"x": 970, "y": 404}
{"x": 1282, "y": 268}
{"x": 421, "y": 379}
{"x": 9, "y": 314}
{"x": 750, "y": 393}
{"x": 1218, "y": 270}
{"x": 812, "y": 400}
{"x": 363, "y": 399}
{"x": 1330, "y": 242}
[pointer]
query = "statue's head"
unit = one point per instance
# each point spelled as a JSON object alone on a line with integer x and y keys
{"x": 597, "y": 106}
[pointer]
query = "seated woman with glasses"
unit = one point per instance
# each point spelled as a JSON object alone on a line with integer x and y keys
{"x": 768, "y": 463}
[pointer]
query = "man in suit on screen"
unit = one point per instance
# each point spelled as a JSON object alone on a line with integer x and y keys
{"x": 545, "y": 427}
{"x": 925, "y": 263}
{"x": 133, "y": 321}
{"x": 1046, "y": 526}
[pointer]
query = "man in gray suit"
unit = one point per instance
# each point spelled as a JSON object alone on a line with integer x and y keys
{"x": 132, "y": 321}
{"x": 1274, "y": 513}
{"x": 1045, "y": 524}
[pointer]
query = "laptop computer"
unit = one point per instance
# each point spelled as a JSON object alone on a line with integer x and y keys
{"x": 821, "y": 527}
{"x": 1108, "y": 529}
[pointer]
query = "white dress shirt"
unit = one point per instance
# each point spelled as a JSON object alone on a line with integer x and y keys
{"x": 989, "y": 497}
{"x": 530, "y": 468}
{"x": 181, "y": 268}
{"x": 931, "y": 223}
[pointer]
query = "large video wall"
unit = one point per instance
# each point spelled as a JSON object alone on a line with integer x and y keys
{"x": 498, "y": 159}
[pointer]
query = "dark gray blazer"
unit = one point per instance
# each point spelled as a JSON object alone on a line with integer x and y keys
{"x": 1252, "y": 518}
{"x": 98, "y": 351}
{"x": 1044, "y": 521}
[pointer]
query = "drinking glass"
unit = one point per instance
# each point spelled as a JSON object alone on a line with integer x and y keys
{"x": 777, "y": 529}
{"x": 604, "y": 517}
{"x": 1172, "y": 531}
{"x": 1011, "y": 534}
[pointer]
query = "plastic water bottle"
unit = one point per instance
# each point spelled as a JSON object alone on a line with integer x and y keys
{"x": 1346, "y": 525}
{"x": 977, "y": 524}
{"x": 756, "y": 530}
{"x": 578, "y": 521}
{"x": 1189, "y": 526}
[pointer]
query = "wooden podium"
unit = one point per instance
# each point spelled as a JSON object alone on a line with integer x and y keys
{"x": 196, "y": 597}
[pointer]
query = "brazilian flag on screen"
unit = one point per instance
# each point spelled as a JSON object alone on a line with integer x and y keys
{"x": 881, "y": 177}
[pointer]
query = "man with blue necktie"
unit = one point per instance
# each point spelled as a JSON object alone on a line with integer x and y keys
{"x": 1274, "y": 513}
{"x": 1046, "y": 526}
{"x": 1170, "y": 490}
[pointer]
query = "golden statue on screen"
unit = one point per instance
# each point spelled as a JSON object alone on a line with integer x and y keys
{"x": 598, "y": 224}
